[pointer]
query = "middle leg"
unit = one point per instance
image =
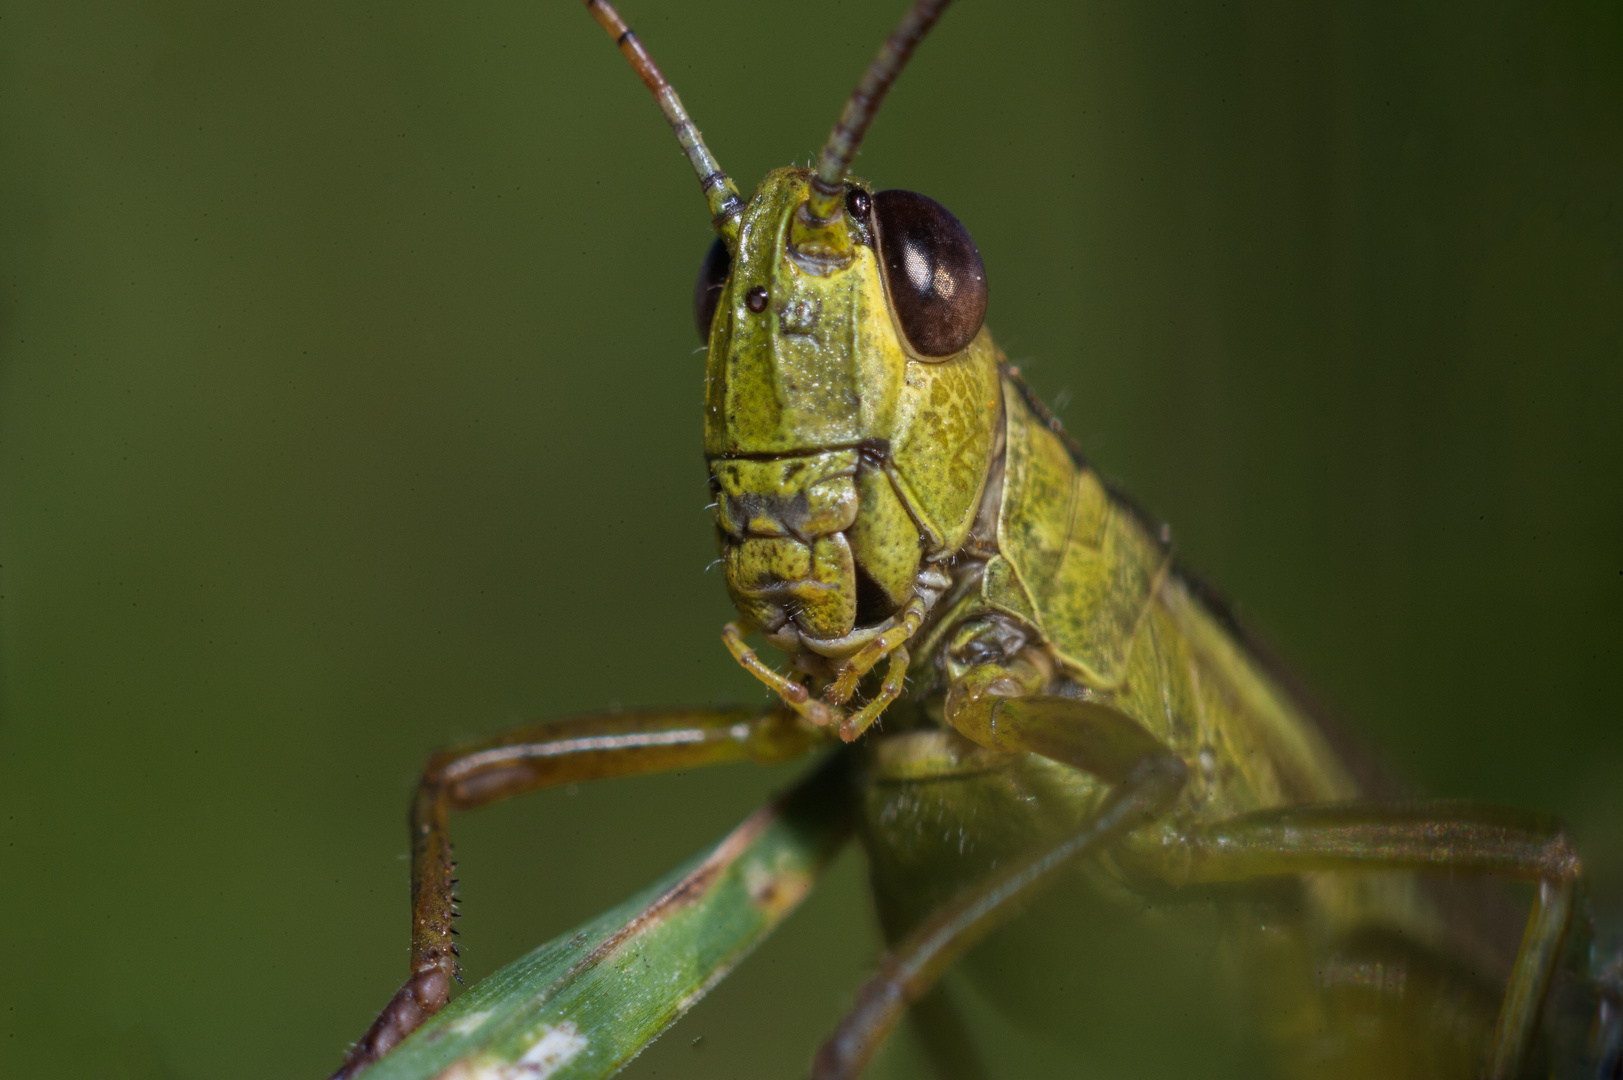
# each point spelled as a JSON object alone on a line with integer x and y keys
{"x": 1146, "y": 779}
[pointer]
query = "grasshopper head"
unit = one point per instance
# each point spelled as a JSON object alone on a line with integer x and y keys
{"x": 850, "y": 394}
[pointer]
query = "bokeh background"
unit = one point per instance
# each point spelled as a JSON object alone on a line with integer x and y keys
{"x": 348, "y": 405}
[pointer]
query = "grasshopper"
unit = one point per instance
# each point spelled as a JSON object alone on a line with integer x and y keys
{"x": 1027, "y": 681}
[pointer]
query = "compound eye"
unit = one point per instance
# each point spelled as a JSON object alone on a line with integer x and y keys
{"x": 936, "y": 279}
{"x": 713, "y": 273}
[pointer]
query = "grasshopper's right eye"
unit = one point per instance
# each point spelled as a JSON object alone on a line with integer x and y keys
{"x": 934, "y": 274}
{"x": 718, "y": 264}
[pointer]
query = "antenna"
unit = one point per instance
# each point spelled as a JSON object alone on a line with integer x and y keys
{"x": 827, "y": 200}
{"x": 719, "y": 190}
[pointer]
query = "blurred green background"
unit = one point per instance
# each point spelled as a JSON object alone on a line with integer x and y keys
{"x": 348, "y": 405}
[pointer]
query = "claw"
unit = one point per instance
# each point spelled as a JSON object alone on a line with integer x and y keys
{"x": 844, "y": 685}
{"x": 861, "y": 720}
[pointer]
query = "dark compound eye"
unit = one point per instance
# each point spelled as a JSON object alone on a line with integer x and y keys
{"x": 936, "y": 279}
{"x": 718, "y": 263}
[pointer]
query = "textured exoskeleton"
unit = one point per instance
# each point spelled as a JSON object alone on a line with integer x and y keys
{"x": 874, "y": 502}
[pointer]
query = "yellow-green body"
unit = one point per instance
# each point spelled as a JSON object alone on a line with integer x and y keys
{"x": 1085, "y": 575}
{"x": 1096, "y": 587}
{"x": 835, "y": 449}
{"x": 976, "y": 479}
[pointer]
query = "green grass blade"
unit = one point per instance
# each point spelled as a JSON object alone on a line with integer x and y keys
{"x": 585, "y": 1003}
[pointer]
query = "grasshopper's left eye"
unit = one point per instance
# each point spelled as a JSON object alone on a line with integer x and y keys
{"x": 933, "y": 272}
{"x": 718, "y": 264}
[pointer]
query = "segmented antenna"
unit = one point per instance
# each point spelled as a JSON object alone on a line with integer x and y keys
{"x": 719, "y": 190}
{"x": 828, "y": 186}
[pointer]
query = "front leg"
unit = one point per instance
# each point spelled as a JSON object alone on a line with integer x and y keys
{"x": 592, "y": 747}
{"x": 1145, "y": 777}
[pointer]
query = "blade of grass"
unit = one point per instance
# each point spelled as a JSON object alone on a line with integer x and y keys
{"x": 585, "y": 1003}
